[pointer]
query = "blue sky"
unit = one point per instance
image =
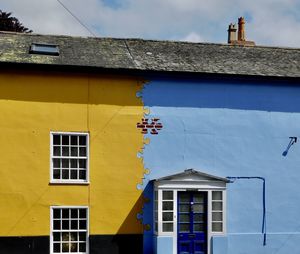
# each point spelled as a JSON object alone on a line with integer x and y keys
{"x": 269, "y": 22}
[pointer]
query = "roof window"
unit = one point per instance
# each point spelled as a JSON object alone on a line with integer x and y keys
{"x": 44, "y": 49}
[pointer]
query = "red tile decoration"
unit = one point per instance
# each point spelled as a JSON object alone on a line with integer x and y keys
{"x": 152, "y": 126}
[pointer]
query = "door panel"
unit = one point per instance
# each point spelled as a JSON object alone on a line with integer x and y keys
{"x": 192, "y": 222}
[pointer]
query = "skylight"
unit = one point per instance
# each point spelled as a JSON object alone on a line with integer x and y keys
{"x": 44, "y": 49}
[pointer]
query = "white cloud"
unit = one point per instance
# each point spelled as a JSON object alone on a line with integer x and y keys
{"x": 270, "y": 22}
{"x": 47, "y": 16}
{"x": 192, "y": 37}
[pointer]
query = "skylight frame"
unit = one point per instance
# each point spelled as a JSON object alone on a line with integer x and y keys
{"x": 44, "y": 49}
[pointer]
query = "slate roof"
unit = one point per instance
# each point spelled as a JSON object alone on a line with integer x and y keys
{"x": 150, "y": 55}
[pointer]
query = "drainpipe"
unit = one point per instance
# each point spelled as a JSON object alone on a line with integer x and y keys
{"x": 264, "y": 226}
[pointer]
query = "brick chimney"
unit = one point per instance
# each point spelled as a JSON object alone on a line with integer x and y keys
{"x": 241, "y": 37}
{"x": 241, "y": 32}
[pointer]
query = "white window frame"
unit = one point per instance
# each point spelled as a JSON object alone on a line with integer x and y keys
{"x": 223, "y": 201}
{"x": 155, "y": 215}
{"x": 87, "y": 227}
{"x": 160, "y": 231}
{"x": 70, "y": 181}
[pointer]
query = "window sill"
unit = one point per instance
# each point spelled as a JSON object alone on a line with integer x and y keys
{"x": 218, "y": 234}
{"x": 68, "y": 183}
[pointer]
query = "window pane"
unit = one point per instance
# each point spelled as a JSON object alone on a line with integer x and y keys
{"x": 56, "y": 224}
{"x": 82, "y": 163}
{"x": 65, "y": 237}
{"x": 65, "y": 224}
{"x": 56, "y": 163}
{"x": 184, "y": 197}
{"x": 184, "y": 218}
{"x": 65, "y": 151}
{"x": 167, "y": 227}
{"x": 82, "y": 151}
{"x": 184, "y": 208}
{"x": 73, "y": 247}
{"x": 56, "y": 247}
{"x": 74, "y": 224}
{"x": 217, "y": 216}
{"x": 73, "y": 163}
{"x": 65, "y": 247}
{"x": 65, "y": 140}
{"x": 82, "y": 213}
{"x": 199, "y": 227}
{"x": 82, "y": 140}
{"x": 184, "y": 228}
{"x": 74, "y": 151}
{"x": 82, "y": 174}
{"x": 198, "y": 197}
{"x": 56, "y": 173}
{"x": 74, "y": 236}
{"x": 82, "y": 224}
{"x": 217, "y": 227}
{"x": 167, "y": 216}
{"x": 82, "y": 236}
{"x": 74, "y": 140}
{"x": 56, "y": 139}
{"x": 82, "y": 247}
{"x": 65, "y": 174}
{"x": 65, "y": 213}
{"x": 74, "y": 213}
{"x": 198, "y": 208}
{"x": 56, "y": 213}
{"x": 198, "y": 217}
{"x": 65, "y": 163}
{"x": 217, "y": 206}
{"x": 56, "y": 150}
{"x": 74, "y": 174}
{"x": 167, "y": 195}
{"x": 167, "y": 205}
{"x": 217, "y": 195}
{"x": 44, "y": 49}
{"x": 56, "y": 236}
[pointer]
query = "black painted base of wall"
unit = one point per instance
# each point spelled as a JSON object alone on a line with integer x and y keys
{"x": 116, "y": 244}
{"x": 25, "y": 245}
{"x": 104, "y": 244}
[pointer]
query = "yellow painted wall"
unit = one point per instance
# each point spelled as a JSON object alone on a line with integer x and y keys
{"x": 32, "y": 105}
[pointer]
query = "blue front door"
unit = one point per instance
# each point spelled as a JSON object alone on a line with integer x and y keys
{"x": 192, "y": 222}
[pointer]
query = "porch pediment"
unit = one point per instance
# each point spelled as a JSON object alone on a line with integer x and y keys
{"x": 192, "y": 175}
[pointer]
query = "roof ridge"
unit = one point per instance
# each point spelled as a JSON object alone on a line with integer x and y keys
{"x": 150, "y": 40}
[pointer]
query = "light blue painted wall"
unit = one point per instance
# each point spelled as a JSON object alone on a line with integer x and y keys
{"x": 232, "y": 128}
{"x": 164, "y": 245}
{"x": 219, "y": 245}
{"x": 251, "y": 243}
